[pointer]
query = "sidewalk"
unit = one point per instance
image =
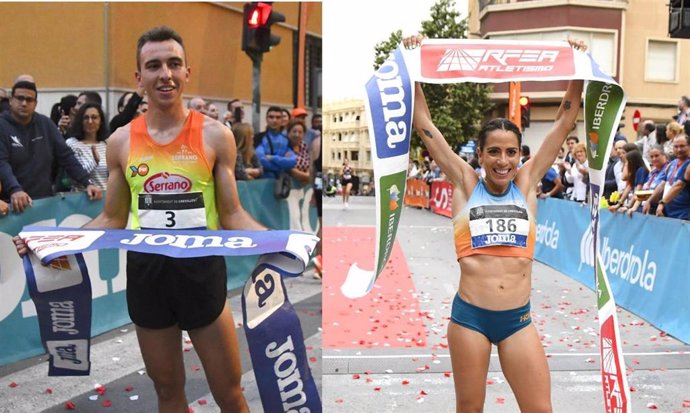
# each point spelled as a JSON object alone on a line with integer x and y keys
{"x": 378, "y": 378}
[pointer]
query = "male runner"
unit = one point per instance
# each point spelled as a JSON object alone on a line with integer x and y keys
{"x": 173, "y": 168}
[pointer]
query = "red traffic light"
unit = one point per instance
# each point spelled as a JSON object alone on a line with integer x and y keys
{"x": 258, "y": 15}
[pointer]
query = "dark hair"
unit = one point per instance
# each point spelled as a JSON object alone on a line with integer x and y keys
{"x": 629, "y": 147}
{"x": 498, "y": 124}
{"x": 686, "y": 127}
{"x": 55, "y": 113}
{"x": 635, "y": 162}
{"x": 274, "y": 109}
{"x": 525, "y": 150}
{"x": 649, "y": 127}
{"x": 4, "y": 104}
{"x": 92, "y": 97}
{"x": 121, "y": 101}
{"x": 661, "y": 134}
{"x": 577, "y": 140}
{"x": 229, "y": 107}
{"x": 686, "y": 100}
{"x": 23, "y": 84}
{"x": 295, "y": 122}
{"x": 77, "y": 130}
{"x": 283, "y": 110}
{"x": 158, "y": 34}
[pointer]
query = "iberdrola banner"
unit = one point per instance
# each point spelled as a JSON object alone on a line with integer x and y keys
{"x": 389, "y": 105}
{"x": 60, "y": 287}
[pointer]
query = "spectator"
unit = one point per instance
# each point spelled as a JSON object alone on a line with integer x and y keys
{"x": 647, "y": 139}
{"x": 197, "y": 104}
{"x": 29, "y": 144}
{"x": 274, "y": 117}
{"x": 551, "y": 185}
{"x": 577, "y": 173}
{"x": 87, "y": 96}
{"x": 248, "y": 165}
{"x": 285, "y": 119}
{"x": 316, "y": 123}
{"x": 683, "y": 110}
{"x": 613, "y": 181}
{"x": 661, "y": 139}
{"x": 127, "y": 109}
{"x": 212, "y": 111}
{"x": 413, "y": 169}
{"x": 88, "y": 143}
{"x": 302, "y": 170}
{"x": 4, "y": 101}
{"x": 234, "y": 114}
{"x": 524, "y": 154}
{"x": 569, "y": 158}
{"x": 315, "y": 154}
{"x": 635, "y": 174}
{"x": 675, "y": 202}
{"x": 61, "y": 114}
{"x": 659, "y": 162}
{"x": 274, "y": 151}
{"x": 143, "y": 108}
{"x": 673, "y": 129}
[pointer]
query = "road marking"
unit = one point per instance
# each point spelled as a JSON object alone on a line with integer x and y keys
{"x": 404, "y": 356}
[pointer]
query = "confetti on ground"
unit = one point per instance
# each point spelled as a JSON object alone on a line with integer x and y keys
{"x": 70, "y": 406}
{"x": 134, "y": 398}
{"x": 389, "y": 316}
{"x": 13, "y": 385}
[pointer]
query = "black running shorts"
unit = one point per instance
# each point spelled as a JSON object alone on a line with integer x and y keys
{"x": 164, "y": 291}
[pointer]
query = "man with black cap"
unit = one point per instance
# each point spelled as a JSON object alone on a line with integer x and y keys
{"x": 29, "y": 145}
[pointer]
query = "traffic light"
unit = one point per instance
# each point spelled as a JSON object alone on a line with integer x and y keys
{"x": 256, "y": 27}
{"x": 524, "y": 111}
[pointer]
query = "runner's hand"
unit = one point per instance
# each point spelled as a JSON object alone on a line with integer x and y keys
{"x": 577, "y": 45}
{"x": 412, "y": 42}
{"x": 19, "y": 243}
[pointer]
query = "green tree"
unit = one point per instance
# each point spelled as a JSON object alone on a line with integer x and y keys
{"x": 458, "y": 109}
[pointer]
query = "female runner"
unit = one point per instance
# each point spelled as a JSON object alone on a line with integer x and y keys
{"x": 494, "y": 226}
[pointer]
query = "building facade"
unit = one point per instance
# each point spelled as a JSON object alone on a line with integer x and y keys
{"x": 628, "y": 38}
{"x": 346, "y": 136}
{"x": 73, "y": 47}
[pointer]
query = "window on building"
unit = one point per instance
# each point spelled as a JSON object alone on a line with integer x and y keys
{"x": 340, "y": 118}
{"x": 354, "y": 155}
{"x": 339, "y": 155}
{"x": 357, "y": 117}
{"x": 335, "y": 119}
{"x": 368, "y": 156}
{"x": 661, "y": 60}
{"x": 340, "y": 137}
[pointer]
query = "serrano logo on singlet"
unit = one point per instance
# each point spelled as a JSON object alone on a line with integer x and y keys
{"x": 630, "y": 266}
{"x": 167, "y": 182}
{"x": 185, "y": 155}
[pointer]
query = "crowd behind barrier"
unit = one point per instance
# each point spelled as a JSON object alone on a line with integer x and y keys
{"x": 19, "y": 331}
{"x": 645, "y": 256}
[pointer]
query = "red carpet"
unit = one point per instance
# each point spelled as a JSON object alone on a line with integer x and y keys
{"x": 389, "y": 316}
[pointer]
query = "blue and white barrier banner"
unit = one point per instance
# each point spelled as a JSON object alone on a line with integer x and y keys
{"x": 276, "y": 342}
{"x": 645, "y": 258}
{"x": 61, "y": 292}
{"x": 63, "y": 295}
{"x": 389, "y": 105}
{"x": 49, "y": 242}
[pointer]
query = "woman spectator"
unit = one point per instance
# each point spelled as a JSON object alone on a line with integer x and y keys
{"x": 634, "y": 174}
{"x": 673, "y": 129}
{"x": 302, "y": 170}
{"x": 87, "y": 141}
{"x": 659, "y": 162}
{"x": 247, "y": 166}
{"x": 578, "y": 173}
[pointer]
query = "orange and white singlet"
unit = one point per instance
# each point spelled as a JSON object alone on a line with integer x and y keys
{"x": 172, "y": 185}
{"x": 495, "y": 224}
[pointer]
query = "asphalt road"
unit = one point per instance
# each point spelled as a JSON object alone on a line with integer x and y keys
{"x": 373, "y": 378}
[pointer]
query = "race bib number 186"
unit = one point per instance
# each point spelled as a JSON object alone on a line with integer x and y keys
{"x": 492, "y": 225}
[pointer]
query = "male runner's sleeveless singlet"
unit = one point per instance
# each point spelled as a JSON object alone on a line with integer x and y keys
{"x": 172, "y": 185}
{"x": 495, "y": 224}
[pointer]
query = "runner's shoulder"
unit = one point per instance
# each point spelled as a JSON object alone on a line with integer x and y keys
{"x": 216, "y": 133}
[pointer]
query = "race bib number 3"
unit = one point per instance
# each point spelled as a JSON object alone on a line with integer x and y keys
{"x": 492, "y": 225}
{"x": 172, "y": 211}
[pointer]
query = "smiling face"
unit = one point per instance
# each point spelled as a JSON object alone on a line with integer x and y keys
{"x": 163, "y": 72}
{"x": 658, "y": 158}
{"x": 91, "y": 122}
{"x": 500, "y": 157}
{"x": 580, "y": 155}
{"x": 296, "y": 134}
